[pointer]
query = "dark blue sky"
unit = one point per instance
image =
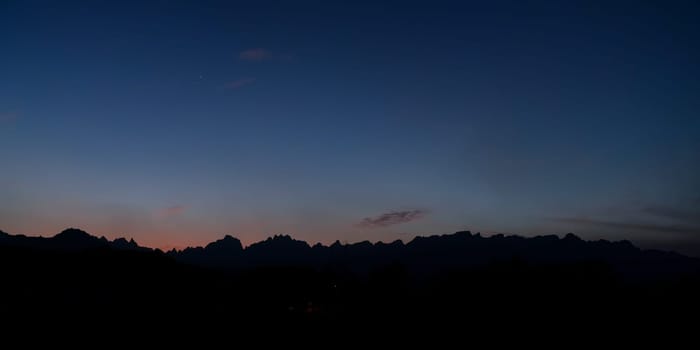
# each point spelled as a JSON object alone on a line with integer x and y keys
{"x": 175, "y": 122}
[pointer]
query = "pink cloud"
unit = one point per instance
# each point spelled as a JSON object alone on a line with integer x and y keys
{"x": 239, "y": 83}
{"x": 173, "y": 211}
{"x": 255, "y": 55}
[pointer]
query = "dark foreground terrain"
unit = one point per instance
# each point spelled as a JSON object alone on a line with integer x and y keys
{"x": 460, "y": 282}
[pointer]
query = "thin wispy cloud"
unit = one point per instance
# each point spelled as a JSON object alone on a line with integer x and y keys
{"x": 255, "y": 55}
{"x": 631, "y": 226}
{"x": 8, "y": 117}
{"x": 392, "y": 218}
{"x": 673, "y": 213}
{"x": 173, "y": 211}
{"x": 239, "y": 83}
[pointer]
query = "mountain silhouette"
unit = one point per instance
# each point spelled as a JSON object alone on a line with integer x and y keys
{"x": 422, "y": 255}
{"x": 71, "y": 239}
{"x": 427, "y": 254}
{"x": 427, "y": 282}
{"x": 225, "y": 253}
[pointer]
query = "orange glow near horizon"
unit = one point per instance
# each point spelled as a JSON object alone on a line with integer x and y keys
{"x": 161, "y": 238}
{"x": 184, "y": 237}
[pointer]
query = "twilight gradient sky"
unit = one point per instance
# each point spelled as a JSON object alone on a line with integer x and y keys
{"x": 176, "y": 122}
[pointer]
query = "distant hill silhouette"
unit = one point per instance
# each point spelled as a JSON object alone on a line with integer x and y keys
{"x": 422, "y": 255}
{"x": 71, "y": 239}
{"x": 462, "y": 279}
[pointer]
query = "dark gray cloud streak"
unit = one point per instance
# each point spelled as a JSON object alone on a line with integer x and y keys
{"x": 392, "y": 218}
{"x": 673, "y": 213}
{"x": 632, "y": 226}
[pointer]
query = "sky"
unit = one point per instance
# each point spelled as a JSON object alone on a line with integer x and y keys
{"x": 177, "y": 122}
